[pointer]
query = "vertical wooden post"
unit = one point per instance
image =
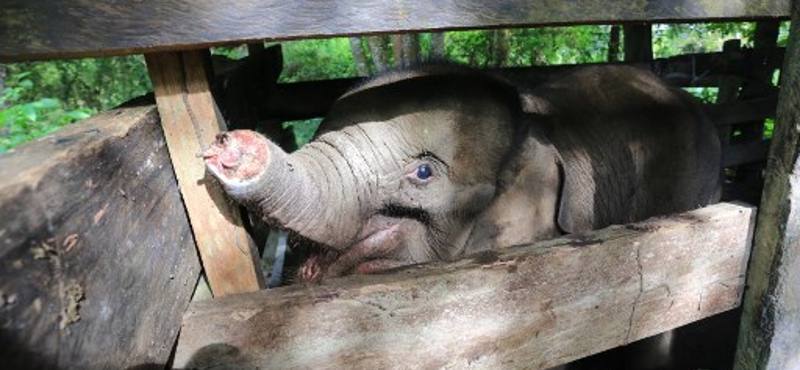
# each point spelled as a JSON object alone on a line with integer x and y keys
{"x": 190, "y": 121}
{"x": 613, "y": 44}
{"x": 760, "y": 79}
{"x": 638, "y": 42}
{"x": 728, "y": 88}
{"x": 769, "y": 336}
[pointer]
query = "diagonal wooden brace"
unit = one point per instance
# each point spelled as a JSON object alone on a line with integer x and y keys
{"x": 191, "y": 121}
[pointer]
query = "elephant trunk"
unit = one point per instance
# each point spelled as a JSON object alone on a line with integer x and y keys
{"x": 310, "y": 191}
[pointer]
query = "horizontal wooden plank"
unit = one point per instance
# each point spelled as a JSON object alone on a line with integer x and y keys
{"x": 97, "y": 261}
{"x": 749, "y": 152}
{"x": 42, "y": 29}
{"x": 744, "y": 111}
{"x": 539, "y": 305}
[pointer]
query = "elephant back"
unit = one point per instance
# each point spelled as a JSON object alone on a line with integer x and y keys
{"x": 630, "y": 147}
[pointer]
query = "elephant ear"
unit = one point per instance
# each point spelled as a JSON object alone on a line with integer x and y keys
{"x": 576, "y": 210}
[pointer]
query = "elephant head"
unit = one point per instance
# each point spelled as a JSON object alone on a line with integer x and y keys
{"x": 421, "y": 165}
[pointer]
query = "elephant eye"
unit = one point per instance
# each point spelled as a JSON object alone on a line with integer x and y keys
{"x": 424, "y": 172}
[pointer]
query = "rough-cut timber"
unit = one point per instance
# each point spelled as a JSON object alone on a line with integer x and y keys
{"x": 770, "y": 332}
{"x": 638, "y": 42}
{"x": 97, "y": 262}
{"x": 40, "y": 29}
{"x": 190, "y": 121}
{"x": 527, "y": 307}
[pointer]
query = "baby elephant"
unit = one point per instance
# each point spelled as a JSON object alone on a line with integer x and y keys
{"x": 438, "y": 162}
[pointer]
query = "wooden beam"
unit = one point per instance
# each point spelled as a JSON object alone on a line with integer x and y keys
{"x": 743, "y": 153}
{"x": 736, "y": 112}
{"x": 638, "y": 42}
{"x": 190, "y": 122}
{"x": 37, "y": 29}
{"x": 533, "y": 306}
{"x": 769, "y": 337}
{"x": 97, "y": 263}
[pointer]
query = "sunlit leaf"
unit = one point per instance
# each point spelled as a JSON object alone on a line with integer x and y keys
{"x": 29, "y": 112}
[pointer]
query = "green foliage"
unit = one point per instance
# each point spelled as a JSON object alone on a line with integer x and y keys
{"x": 705, "y": 94}
{"x": 22, "y": 122}
{"x": 769, "y": 128}
{"x": 44, "y": 96}
{"x": 97, "y": 84}
{"x": 308, "y": 60}
{"x": 529, "y": 47}
{"x": 783, "y": 33}
{"x": 558, "y": 45}
{"x": 231, "y": 52}
{"x": 303, "y": 130}
{"x": 675, "y": 39}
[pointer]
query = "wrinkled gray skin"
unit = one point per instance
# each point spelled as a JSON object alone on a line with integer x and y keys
{"x": 507, "y": 166}
{"x": 596, "y": 147}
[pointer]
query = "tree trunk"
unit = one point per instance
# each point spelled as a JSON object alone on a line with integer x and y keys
{"x": 437, "y": 46}
{"x": 499, "y": 48}
{"x": 359, "y": 57}
{"x": 377, "y": 49}
{"x": 410, "y": 49}
{"x": 406, "y": 49}
{"x": 2, "y": 84}
{"x": 397, "y": 50}
{"x": 613, "y": 45}
{"x": 765, "y": 41}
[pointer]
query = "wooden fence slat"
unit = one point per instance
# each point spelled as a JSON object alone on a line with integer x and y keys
{"x": 736, "y": 154}
{"x": 769, "y": 337}
{"x": 40, "y": 29}
{"x": 638, "y": 42}
{"x": 97, "y": 263}
{"x": 527, "y": 307}
{"x": 190, "y": 121}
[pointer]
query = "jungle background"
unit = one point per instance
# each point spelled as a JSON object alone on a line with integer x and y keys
{"x": 37, "y": 98}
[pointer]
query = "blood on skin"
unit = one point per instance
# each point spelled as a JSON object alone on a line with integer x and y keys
{"x": 237, "y": 155}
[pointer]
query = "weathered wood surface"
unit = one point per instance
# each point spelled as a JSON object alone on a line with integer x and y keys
{"x": 527, "y": 307}
{"x": 40, "y": 29}
{"x": 97, "y": 262}
{"x": 190, "y": 122}
{"x": 638, "y": 42}
{"x": 770, "y": 332}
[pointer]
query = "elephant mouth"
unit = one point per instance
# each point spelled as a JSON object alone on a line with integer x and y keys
{"x": 375, "y": 251}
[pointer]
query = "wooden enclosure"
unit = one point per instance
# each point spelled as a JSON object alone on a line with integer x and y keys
{"x": 98, "y": 237}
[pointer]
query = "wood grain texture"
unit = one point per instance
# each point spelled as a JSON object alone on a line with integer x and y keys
{"x": 190, "y": 122}
{"x": 97, "y": 262}
{"x": 41, "y": 29}
{"x": 527, "y": 307}
{"x": 769, "y": 337}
